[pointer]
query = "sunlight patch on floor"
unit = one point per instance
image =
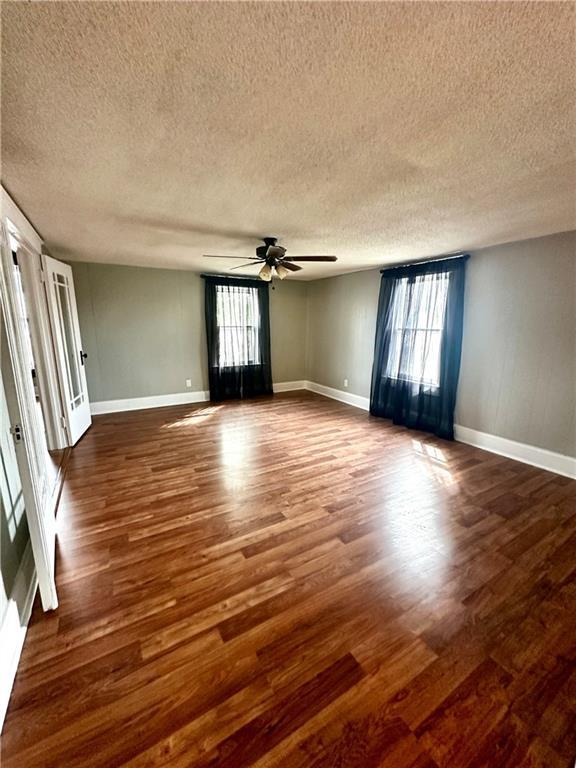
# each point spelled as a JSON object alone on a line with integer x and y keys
{"x": 435, "y": 462}
{"x": 195, "y": 418}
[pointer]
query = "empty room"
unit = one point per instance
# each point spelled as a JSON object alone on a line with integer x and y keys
{"x": 288, "y": 384}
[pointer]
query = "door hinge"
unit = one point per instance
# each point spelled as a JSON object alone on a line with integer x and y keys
{"x": 42, "y": 276}
{"x": 16, "y": 432}
{"x": 63, "y": 422}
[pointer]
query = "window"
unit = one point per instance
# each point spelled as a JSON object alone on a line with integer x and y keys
{"x": 238, "y": 322}
{"x": 418, "y": 344}
{"x": 418, "y": 311}
{"x": 238, "y": 337}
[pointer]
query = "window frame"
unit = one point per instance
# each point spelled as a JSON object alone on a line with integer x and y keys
{"x": 395, "y": 348}
{"x": 252, "y": 329}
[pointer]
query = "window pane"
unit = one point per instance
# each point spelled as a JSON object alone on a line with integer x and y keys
{"x": 399, "y": 304}
{"x": 416, "y": 325}
{"x": 69, "y": 342}
{"x": 238, "y": 320}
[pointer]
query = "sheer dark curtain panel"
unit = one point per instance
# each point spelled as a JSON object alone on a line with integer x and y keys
{"x": 238, "y": 336}
{"x": 418, "y": 345}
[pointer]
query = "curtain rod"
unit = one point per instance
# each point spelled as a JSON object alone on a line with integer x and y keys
{"x": 426, "y": 261}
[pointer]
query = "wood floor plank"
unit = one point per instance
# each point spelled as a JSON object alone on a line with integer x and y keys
{"x": 291, "y": 583}
{"x": 269, "y": 729}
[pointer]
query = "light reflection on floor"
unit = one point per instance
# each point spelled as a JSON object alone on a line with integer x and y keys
{"x": 417, "y": 537}
{"x": 195, "y": 418}
{"x": 416, "y": 531}
{"x": 236, "y": 454}
{"x": 435, "y": 462}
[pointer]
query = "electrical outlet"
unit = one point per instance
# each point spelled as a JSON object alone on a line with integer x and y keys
{"x": 188, "y": 383}
{"x": 345, "y": 382}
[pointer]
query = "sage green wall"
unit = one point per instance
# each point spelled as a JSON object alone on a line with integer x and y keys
{"x": 288, "y": 329}
{"x": 144, "y": 333}
{"x": 518, "y": 373}
{"x": 341, "y": 327}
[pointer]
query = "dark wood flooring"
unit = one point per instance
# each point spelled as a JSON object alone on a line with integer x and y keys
{"x": 289, "y": 582}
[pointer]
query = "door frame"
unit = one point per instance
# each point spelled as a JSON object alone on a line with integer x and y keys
{"x": 37, "y": 499}
{"x": 30, "y": 262}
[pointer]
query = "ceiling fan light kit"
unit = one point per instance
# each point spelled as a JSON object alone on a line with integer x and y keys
{"x": 274, "y": 260}
{"x": 265, "y": 273}
{"x": 281, "y": 271}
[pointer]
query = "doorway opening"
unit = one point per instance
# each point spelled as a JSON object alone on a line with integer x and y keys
{"x": 55, "y": 455}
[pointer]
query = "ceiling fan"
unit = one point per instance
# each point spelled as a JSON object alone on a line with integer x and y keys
{"x": 273, "y": 259}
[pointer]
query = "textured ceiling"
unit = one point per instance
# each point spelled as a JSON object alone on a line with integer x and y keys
{"x": 151, "y": 133}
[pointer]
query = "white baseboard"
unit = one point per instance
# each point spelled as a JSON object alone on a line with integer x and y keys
{"x": 141, "y": 403}
{"x": 338, "y": 394}
{"x": 14, "y": 626}
{"x": 289, "y": 386}
{"x": 528, "y": 454}
{"x": 179, "y": 398}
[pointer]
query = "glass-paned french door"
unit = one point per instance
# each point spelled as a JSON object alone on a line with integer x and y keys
{"x": 69, "y": 353}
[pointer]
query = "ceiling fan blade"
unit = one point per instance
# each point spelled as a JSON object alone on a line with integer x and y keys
{"x": 291, "y": 267}
{"x": 212, "y": 256}
{"x": 310, "y": 258}
{"x": 249, "y": 264}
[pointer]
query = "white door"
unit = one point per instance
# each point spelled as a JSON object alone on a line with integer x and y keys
{"x": 69, "y": 353}
{"x": 25, "y": 427}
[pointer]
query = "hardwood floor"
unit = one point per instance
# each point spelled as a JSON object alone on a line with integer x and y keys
{"x": 289, "y": 582}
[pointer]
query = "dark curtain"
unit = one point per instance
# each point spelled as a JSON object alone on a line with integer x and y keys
{"x": 418, "y": 345}
{"x": 238, "y": 336}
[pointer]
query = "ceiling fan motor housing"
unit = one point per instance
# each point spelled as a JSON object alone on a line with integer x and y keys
{"x": 270, "y": 252}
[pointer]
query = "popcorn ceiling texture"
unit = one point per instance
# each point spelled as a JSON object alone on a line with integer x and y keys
{"x": 151, "y": 133}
